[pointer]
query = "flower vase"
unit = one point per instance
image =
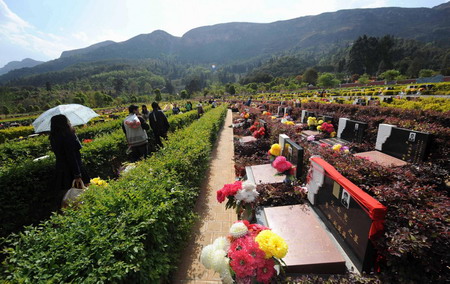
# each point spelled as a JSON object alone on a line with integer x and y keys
{"x": 287, "y": 180}
{"x": 247, "y": 213}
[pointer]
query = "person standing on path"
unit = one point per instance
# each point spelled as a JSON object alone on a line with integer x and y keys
{"x": 188, "y": 106}
{"x": 159, "y": 124}
{"x": 200, "y": 110}
{"x": 145, "y": 113}
{"x": 66, "y": 146}
{"x": 135, "y": 127}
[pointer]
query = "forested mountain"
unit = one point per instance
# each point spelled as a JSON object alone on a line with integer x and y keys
{"x": 27, "y": 62}
{"x": 229, "y": 45}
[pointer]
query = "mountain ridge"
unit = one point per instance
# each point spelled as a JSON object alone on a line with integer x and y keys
{"x": 236, "y": 41}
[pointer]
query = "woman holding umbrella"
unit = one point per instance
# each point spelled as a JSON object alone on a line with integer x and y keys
{"x": 66, "y": 146}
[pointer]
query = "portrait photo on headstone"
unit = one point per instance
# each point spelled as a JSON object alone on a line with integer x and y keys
{"x": 345, "y": 198}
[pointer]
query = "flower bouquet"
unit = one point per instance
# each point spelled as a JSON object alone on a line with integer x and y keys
{"x": 275, "y": 151}
{"x": 252, "y": 253}
{"x": 327, "y": 128}
{"x": 99, "y": 182}
{"x": 261, "y": 132}
{"x": 241, "y": 197}
{"x": 312, "y": 123}
{"x": 284, "y": 167}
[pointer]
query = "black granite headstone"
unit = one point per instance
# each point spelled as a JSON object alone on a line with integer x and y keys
{"x": 347, "y": 219}
{"x": 326, "y": 118}
{"x": 294, "y": 154}
{"x": 407, "y": 145}
{"x": 351, "y": 130}
{"x": 306, "y": 114}
{"x": 281, "y": 111}
{"x": 263, "y": 123}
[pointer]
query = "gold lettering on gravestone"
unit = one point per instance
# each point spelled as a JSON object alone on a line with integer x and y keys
{"x": 355, "y": 239}
{"x": 345, "y": 217}
{"x": 338, "y": 210}
{"x": 336, "y": 189}
{"x": 344, "y": 234}
{"x": 326, "y": 204}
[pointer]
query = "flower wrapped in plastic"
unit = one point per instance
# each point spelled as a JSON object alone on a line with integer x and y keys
{"x": 284, "y": 167}
{"x": 275, "y": 151}
{"x": 241, "y": 197}
{"x": 253, "y": 254}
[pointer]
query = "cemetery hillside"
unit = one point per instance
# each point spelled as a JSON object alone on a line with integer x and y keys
{"x": 309, "y": 150}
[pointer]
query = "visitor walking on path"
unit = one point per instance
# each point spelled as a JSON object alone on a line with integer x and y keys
{"x": 175, "y": 109}
{"x": 159, "y": 124}
{"x": 145, "y": 113}
{"x": 200, "y": 110}
{"x": 135, "y": 127}
{"x": 69, "y": 169}
{"x": 188, "y": 106}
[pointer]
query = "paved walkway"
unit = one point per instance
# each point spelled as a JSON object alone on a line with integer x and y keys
{"x": 214, "y": 220}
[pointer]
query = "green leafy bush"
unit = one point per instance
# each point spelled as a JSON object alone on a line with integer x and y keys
{"x": 15, "y": 132}
{"x": 129, "y": 232}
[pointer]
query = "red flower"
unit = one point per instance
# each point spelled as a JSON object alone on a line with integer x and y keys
{"x": 281, "y": 165}
{"x": 220, "y": 196}
{"x": 265, "y": 273}
{"x": 255, "y": 229}
{"x": 242, "y": 263}
{"x": 253, "y": 128}
{"x": 292, "y": 171}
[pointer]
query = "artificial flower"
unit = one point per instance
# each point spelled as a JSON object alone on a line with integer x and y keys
{"x": 242, "y": 263}
{"x": 337, "y": 147}
{"x": 333, "y": 134}
{"x": 320, "y": 121}
{"x": 272, "y": 244}
{"x": 319, "y": 128}
{"x": 275, "y": 150}
{"x": 219, "y": 261}
{"x": 281, "y": 164}
{"x": 206, "y": 257}
{"x": 247, "y": 196}
{"x": 221, "y": 243}
{"x": 266, "y": 272}
{"x": 238, "y": 230}
{"x": 311, "y": 138}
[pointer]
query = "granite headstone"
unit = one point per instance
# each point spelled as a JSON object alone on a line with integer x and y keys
{"x": 294, "y": 153}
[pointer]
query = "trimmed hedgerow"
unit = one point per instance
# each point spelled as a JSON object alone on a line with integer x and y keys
{"x": 15, "y": 132}
{"x": 131, "y": 231}
{"x": 27, "y": 194}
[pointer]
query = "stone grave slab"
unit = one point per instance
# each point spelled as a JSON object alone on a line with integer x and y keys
{"x": 281, "y": 140}
{"x": 294, "y": 154}
{"x": 381, "y": 158}
{"x": 353, "y": 216}
{"x": 407, "y": 145}
{"x": 281, "y": 111}
{"x": 263, "y": 174}
{"x": 311, "y": 248}
{"x": 247, "y": 139}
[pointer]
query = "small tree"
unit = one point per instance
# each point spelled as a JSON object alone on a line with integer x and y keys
{"x": 184, "y": 94}
{"x": 364, "y": 79}
{"x": 426, "y": 73}
{"x": 158, "y": 97}
{"x": 327, "y": 80}
{"x": 390, "y": 75}
{"x": 310, "y": 76}
{"x": 5, "y": 110}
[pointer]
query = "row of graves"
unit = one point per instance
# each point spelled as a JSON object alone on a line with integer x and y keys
{"x": 333, "y": 229}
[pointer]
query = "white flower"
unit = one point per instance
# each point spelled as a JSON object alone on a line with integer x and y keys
{"x": 247, "y": 196}
{"x": 226, "y": 277}
{"x": 238, "y": 230}
{"x": 219, "y": 261}
{"x": 221, "y": 243}
{"x": 248, "y": 185}
{"x": 207, "y": 255}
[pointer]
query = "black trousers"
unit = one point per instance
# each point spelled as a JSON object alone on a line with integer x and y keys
{"x": 139, "y": 152}
{"x": 158, "y": 141}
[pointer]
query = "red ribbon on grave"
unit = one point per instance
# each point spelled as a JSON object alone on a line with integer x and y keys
{"x": 374, "y": 208}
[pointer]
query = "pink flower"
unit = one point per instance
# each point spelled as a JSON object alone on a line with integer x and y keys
{"x": 254, "y": 229}
{"x": 265, "y": 273}
{"x": 220, "y": 196}
{"x": 281, "y": 165}
{"x": 324, "y": 145}
{"x": 242, "y": 263}
{"x": 311, "y": 138}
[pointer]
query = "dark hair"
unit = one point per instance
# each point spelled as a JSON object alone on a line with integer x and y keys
{"x": 60, "y": 126}
{"x": 144, "y": 106}
{"x": 155, "y": 106}
{"x": 132, "y": 108}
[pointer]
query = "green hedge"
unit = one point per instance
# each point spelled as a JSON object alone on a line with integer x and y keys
{"x": 15, "y": 132}
{"x": 129, "y": 232}
{"x": 27, "y": 195}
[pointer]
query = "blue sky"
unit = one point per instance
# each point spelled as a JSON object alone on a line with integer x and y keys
{"x": 42, "y": 29}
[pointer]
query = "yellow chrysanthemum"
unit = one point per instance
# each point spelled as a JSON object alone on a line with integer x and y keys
{"x": 272, "y": 244}
{"x": 275, "y": 150}
{"x": 318, "y": 128}
{"x": 320, "y": 122}
{"x": 333, "y": 134}
{"x": 337, "y": 147}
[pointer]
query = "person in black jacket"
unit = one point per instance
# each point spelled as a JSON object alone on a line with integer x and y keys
{"x": 66, "y": 146}
{"x": 135, "y": 129}
{"x": 159, "y": 124}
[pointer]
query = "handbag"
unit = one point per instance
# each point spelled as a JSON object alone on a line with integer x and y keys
{"x": 72, "y": 194}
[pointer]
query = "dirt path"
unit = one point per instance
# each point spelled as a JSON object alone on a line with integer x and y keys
{"x": 214, "y": 220}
